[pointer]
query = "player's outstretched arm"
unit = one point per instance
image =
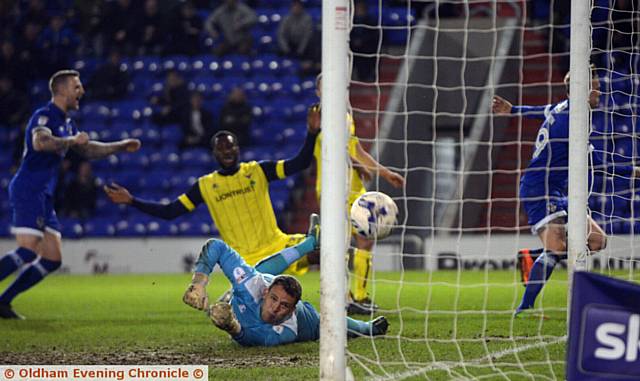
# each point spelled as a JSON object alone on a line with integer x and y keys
{"x": 367, "y": 161}
{"x": 98, "y": 150}
{"x": 43, "y": 140}
{"x": 302, "y": 160}
{"x": 500, "y": 106}
{"x": 120, "y": 195}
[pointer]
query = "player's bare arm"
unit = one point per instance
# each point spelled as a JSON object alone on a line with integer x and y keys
{"x": 97, "y": 150}
{"x": 118, "y": 194}
{"x": 44, "y": 141}
{"x": 364, "y": 173}
{"x": 367, "y": 161}
{"x": 500, "y": 106}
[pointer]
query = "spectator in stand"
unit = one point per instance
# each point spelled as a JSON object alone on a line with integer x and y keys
{"x": 10, "y": 65}
{"x": 149, "y": 30}
{"x": 185, "y": 31}
{"x": 58, "y": 43}
{"x": 363, "y": 41}
{"x": 197, "y": 124}
{"x": 118, "y": 25}
{"x": 30, "y": 55}
{"x": 84, "y": 189}
{"x": 236, "y": 116}
{"x": 109, "y": 82}
{"x": 14, "y": 104}
{"x": 35, "y": 13}
{"x": 232, "y": 21}
{"x": 173, "y": 102}
{"x": 295, "y": 33}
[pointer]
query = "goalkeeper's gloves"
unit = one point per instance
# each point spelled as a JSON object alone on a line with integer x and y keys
{"x": 222, "y": 316}
{"x": 196, "y": 294}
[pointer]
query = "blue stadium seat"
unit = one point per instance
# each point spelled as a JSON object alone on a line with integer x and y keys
{"x": 71, "y": 227}
{"x": 99, "y": 227}
{"x": 161, "y": 228}
{"x": 95, "y": 113}
{"x": 169, "y": 160}
{"x": 194, "y": 228}
{"x": 196, "y": 157}
{"x": 182, "y": 64}
{"x": 131, "y": 227}
{"x": 171, "y": 133}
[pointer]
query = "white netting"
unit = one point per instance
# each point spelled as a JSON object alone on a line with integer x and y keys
{"x": 421, "y": 93}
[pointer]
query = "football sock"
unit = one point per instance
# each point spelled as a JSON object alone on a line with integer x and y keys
{"x": 540, "y": 273}
{"x": 359, "y": 326}
{"x": 11, "y": 261}
{"x": 29, "y": 277}
{"x": 361, "y": 269}
{"x": 278, "y": 263}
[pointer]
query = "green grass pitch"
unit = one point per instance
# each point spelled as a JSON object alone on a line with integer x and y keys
{"x": 140, "y": 319}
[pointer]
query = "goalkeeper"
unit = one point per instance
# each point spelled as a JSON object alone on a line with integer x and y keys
{"x": 265, "y": 310}
{"x": 543, "y": 187}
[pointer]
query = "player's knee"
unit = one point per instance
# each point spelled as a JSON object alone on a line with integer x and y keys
{"x": 598, "y": 244}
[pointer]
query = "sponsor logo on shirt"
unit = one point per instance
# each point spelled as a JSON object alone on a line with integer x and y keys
{"x": 236, "y": 192}
{"x": 42, "y": 121}
{"x": 239, "y": 274}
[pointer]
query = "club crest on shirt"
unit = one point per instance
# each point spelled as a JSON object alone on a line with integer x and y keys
{"x": 278, "y": 328}
{"x": 242, "y": 308}
{"x": 551, "y": 208}
{"x": 40, "y": 222}
{"x": 239, "y": 274}
{"x": 42, "y": 121}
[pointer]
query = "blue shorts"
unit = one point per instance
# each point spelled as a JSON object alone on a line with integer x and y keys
{"x": 34, "y": 215}
{"x": 545, "y": 210}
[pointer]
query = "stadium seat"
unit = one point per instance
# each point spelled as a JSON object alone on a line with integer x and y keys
{"x": 99, "y": 227}
{"x": 131, "y": 227}
{"x": 161, "y": 228}
{"x": 71, "y": 228}
{"x": 169, "y": 160}
{"x": 171, "y": 133}
{"x": 194, "y": 228}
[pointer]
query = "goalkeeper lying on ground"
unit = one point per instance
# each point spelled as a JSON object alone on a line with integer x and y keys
{"x": 265, "y": 309}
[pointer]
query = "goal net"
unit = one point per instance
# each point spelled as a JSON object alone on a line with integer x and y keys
{"x": 423, "y": 75}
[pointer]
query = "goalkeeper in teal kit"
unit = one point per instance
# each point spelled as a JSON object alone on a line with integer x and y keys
{"x": 265, "y": 309}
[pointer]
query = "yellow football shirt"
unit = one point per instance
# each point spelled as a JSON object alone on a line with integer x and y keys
{"x": 357, "y": 187}
{"x": 241, "y": 208}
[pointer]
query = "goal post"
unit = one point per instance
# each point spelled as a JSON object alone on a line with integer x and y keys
{"x": 335, "y": 80}
{"x": 580, "y": 127}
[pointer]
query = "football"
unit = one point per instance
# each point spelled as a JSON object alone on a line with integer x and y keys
{"x": 373, "y": 215}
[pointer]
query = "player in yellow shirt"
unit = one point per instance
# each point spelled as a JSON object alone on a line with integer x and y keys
{"x": 363, "y": 165}
{"x": 237, "y": 196}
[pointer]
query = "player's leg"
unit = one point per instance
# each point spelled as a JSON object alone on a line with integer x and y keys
{"x": 360, "y": 302}
{"x": 596, "y": 237}
{"x": 28, "y": 245}
{"x": 525, "y": 259}
{"x": 49, "y": 261}
{"x": 25, "y": 253}
{"x": 553, "y": 237}
{"x": 279, "y": 262}
{"x": 375, "y": 327}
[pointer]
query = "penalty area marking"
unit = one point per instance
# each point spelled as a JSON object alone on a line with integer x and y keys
{"x": 449, "y": 366}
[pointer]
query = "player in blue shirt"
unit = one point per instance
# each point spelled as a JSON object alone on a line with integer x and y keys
{"x": 265, "y": 309}
{"x": 49, "y": 135}
{"x": 543, "y": 186}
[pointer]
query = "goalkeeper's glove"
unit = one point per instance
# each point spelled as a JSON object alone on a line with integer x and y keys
{"x": 196, "y": 294}
{"x": 222, "y": 316}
